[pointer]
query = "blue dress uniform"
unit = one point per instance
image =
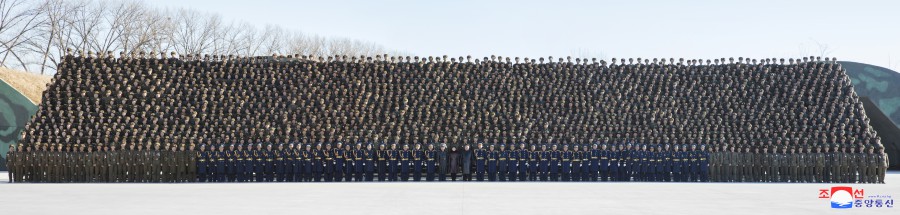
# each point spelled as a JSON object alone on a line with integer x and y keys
{"x": 677, "y": 165}
{"x": 359, "y": 163}
{"x": 635, "y": 165}
{"x": 280, "y": 164}
{"x": 655, "y": 165}
{"x": 640, "y": 165}
{"x": 624, "y": 164}
{"x": 534, "y": 160}
{"x": 338, "y": 167}
{"x": 595, "y": 162}
{"x": 481, "y": 157}
{"x": 270, "y": 165}
{"x": 382, "y": 162}
{"x": 502, "y": 167}
{"x": 247, "y": 174}
{"x": 522, "y": 156}
{"x": 544, "y": 157}
{"x": 368, "y": 156}
{"x": 307, "y": 164}
{"x": 430, "y": 163}
{"x": 666, "y": 165}
{"x": 647, "y": 167}
{"x": 704, "y": 165}
{"x": 328, "y": 164}
{"x": 566, "y": 164}
{"x": 297, "y": 155}
{"x": 512, "y": 162}
{"x": 586, "y": 164}
{"x": 418, "y": 157}
{"x": 288, "y": 174}
{"x": 695, "y": 166}
{"x": 230, "y": 167}
{"x": 202, "y": 157}
{"x": 554, "y": 164}
{"x": 394, "y": 158}
{"x": 661, "y": 164}
{"x": 318, "y": 165}
{"x": 220, "y": 166}
{"x": 405, "y": 157}
{"x": 492, "y": 164}
{"x": 577, "y": 162}
{"x": 239, "y": 166}
{"x": 685, "y": 165}
{"x": 259, "y": 164}
{"x": 612, "y": 167}
{"x": 349, "y": 163}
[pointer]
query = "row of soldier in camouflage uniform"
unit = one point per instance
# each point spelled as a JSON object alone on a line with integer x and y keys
{"x": 297, "y": 162}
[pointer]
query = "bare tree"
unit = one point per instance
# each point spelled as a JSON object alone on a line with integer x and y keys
{"x": 17, "y": 20}
{"x": 35, "y": 35}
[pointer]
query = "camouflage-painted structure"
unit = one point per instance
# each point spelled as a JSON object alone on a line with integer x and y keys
{"x": 880, "y": 84}
{"x": 15, "y": 111}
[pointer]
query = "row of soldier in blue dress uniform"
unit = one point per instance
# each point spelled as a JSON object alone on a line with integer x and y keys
{"x": 595, "y": 162}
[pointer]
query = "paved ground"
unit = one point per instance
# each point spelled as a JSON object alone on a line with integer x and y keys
{"x": 430, "y": 198}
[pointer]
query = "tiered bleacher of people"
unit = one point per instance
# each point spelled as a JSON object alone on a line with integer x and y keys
{"x": 160, "y": 117}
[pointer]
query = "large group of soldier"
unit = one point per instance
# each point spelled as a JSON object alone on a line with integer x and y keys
{"x": 147, "y": 111}
{"x": 303, "y": 163}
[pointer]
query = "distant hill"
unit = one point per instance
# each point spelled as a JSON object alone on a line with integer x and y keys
{"x": 880, "y": 84}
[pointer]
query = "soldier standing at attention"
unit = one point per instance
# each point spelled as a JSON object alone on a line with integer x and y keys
{"x": 502, "y": 157}
{"x": 881, "y": 159}
{"x": 522, "y": 159}
{"x": 577, "y": 156}
{"x": 307, "y": 156}
{"x": 381, "y": 162}
{"x": 359, "y": 157}
{"x": 430, "y": 163}
{"x": 853, "y": 166}
{"x": 861, "y": 163}
{"x": 704, "y": 163}
{"x": 348, "y": 162}
{"x": 534, "y": 160}
{"x": 270, "y": 155}
{"x": 480, "y": 162}
{"x": 338, "y": 167}
{"x": 240, "y": 160}
{"x": 612, "y": 167}
{"x": 12, "y": 163}
{"x": 555, "y": 157}
{"x": 492, "y": 157}
{"x": 595, "y": 162}
{"x": 368, "y": 156}
{"x": 318, "y": 162}
{"x": 393, "y": 156}
{"x": 544, "y": 164}
{"x": 443, "y": 162}
{"x": 417, "y": 158}
{"x": 405, "y": 156}
{"x": 512, "y": 160}
{"x": 278, "y": 164}
{"x": 819, "y": 171}
{"x": 221, "y": 164}
{"x": 191, "y": 163}
{"x": 871, "y": 166}
{"x": 844, "y": 160}
{"x": 202, "y": 158}
{"x": 829, "y": 164}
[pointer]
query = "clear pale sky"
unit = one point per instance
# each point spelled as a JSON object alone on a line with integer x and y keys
{"x": 862, "y": 31}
